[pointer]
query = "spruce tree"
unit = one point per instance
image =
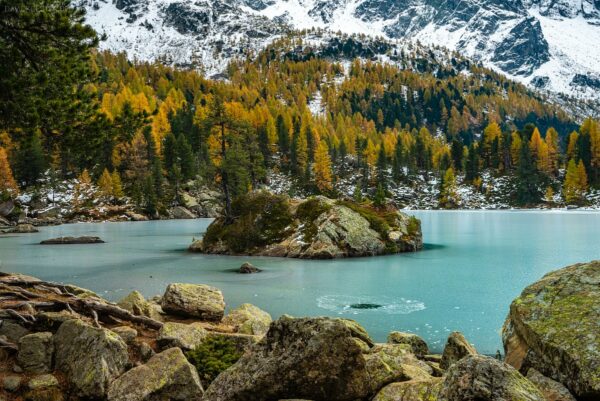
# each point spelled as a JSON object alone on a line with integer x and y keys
{"x": 31, "y": 162}
{"x": 528, "y": 191}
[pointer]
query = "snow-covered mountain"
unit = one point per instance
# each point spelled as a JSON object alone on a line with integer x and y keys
{"x": 552, "y": 45}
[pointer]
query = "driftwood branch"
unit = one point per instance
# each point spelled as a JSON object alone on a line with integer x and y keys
{"x": 8, "y": 345}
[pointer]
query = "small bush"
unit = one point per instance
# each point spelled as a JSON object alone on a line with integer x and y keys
{"x": 413, "y": 226}
{"x": 212, "y": 357}
{"x": 307, "y": 212}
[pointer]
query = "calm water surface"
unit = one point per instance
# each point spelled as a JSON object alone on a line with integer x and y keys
{"x": 474, "y": 264}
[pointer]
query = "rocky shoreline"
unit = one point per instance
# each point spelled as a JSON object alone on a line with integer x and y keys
{"x": 61, "y": 342}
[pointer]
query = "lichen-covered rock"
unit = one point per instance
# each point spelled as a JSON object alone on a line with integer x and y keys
{"x": 386, "y": 363}
{"x": 35, "y": 352}
{"x": 166, "y": 376}
{"x": 89, "y": 357}
{"x": 418, "y": 345}
{"x": 478, "y": 377}
{"x": 412, "y": 390}
{"x": 185, "y": 336}
{"x": 248, "y": 319}
{"x": 51, "y": 321}
{"x": 194, "y": 300}
{"x": 551, "y": 389}
{"x": 128, "y": 334}
{"x": 12, "y": 330}
{"x": 43, "y": 388}
{"x": 135, "y": 303}
{"x": 308, "y": 358}
{"x": 553, "y": 327}
{"x": 317, "y": 228}
{"x": 249, "y": 268}
{"x": 456, "y": 348}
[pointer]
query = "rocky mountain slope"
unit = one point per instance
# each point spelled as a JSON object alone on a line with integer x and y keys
{"x": 550, "y": 45}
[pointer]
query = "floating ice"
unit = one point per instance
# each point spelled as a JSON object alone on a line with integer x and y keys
{"x": 354, "y": 304}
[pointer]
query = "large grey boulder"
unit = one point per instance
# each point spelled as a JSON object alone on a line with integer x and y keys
{"x": 248, "y": 319}
{"x": 166, "y": 376}
{"x": 181, "y": 213}
{"x": 478, "y": 377}
{"x": 194, "y": 300}
{"x": 91, "y": 358}
{"x": 185, "y": 336}
{"x": 314, "y": 359}
{"x": 553, "y": 327}
{"x": 457, "y": 347}
{"x": 418, "y": 345}
{"x": 35, "y": 352}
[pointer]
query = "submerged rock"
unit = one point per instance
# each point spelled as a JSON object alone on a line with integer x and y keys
{"x": 72, "y": 241}
{"x": 457, "y": 347}
{"x": 553, "y": 327}
{"x": 90, "y": 357}
{"x": 418, "y": 345}
{"x": 248, "y": 268}
{"x": 317, "y": 228}
{"x": 478, "y": 377}
{"x": 248, "y": 319}
{"x": 166, "y": 376}
{"x": 194, "y": 300}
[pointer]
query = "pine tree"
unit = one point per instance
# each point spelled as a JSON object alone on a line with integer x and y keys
{"x": 186, "y": 158}
{"x": 357, "y": 194}
{"x": 379, "y": 199}
{"x": 105, "y": 184}
{"x": 117, "y": 186}
{"x": 527, "y": 177}
{"x": 31, "y": 161}
{"x": 398, "y": 161}
{"x": 322, "y": 168}
{"x": 575, "y": 185}
{"x": 382, "y": 164}
{"x": 448, "y": 194}
{"x": 472, "y": 164}
{"x": 8, "y": 185}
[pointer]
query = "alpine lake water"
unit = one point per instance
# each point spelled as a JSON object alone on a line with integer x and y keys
{"x": 473, "y": 265}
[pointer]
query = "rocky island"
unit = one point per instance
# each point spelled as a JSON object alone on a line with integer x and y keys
{"x": 265, "y": 224}
{"x": 61, "y": 342}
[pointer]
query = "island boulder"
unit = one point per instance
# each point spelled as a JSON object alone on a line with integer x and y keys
{"x": 553, "y": 327}
{"x": 316, "y": 228}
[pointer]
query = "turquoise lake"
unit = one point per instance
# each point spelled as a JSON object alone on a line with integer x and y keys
{"x": 474, "y": 264}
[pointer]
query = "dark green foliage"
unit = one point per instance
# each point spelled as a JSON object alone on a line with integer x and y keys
{"x": 528, "y": 179}
{"x": 414, "y": 226}
{"x": 213, "y": 356}
{"x": 379, "y": 199}
{"x": 456, "y": 151}
{"x": 186, "y": 159}
{"x": 45, "y": 64}
{"x": 258, "y": 219}
{"x": 307, "y": 212}
{"x": 382, "y": 164}
{"x": 472, "y": 164}
{"x": 31, "y": 161}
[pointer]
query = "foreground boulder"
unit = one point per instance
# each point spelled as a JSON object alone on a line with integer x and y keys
{"x": 551, "y": 389}
{"x": 553, "y": 327}
{"x": 90, "y": 357}
{"x": 417, "y": 344}
{"x": 135, "y": 303}
{"x": 249, "y": 319}
{"x": 72, "y": 241}
{"x": 478, "y": 377}
{"x": 194, "y": 300}
{"x": 412, "y": 390}
{"x": 184, "y": 336}
{"x": 457, "y": 347}
{"x": 35, "y": 352}
{"x": 313, "y": 359}
{"x": 317, "y": 228}
{"x": 166, "y": 376}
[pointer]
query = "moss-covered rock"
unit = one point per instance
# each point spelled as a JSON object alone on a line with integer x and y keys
{"x": 551, "y": 389}
{"x": 317, "y": 228}
{"x": 553, "y": 327}
{"x": 412, "y": 390}
{"x": 184, "y": 336}
{"x": 166, "y": 376}
{"x": 135, "y": 303}
{"x": 89, "y": 357}
{"x": 248, "y": 319}
{"x": 456, "y": 348}
{"x": 315, "y": 358}
{"x": 194, "y": 300}
{"x": 418, "y": 345}
{"x": 478, "y": 377}
{"x": 35, "y": 352}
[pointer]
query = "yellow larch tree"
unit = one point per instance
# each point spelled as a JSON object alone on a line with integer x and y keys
{"x": 322, "y": 167}
{"x": 8, "y": 185}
